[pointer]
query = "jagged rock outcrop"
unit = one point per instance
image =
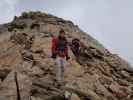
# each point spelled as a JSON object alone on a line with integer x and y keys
{"x": 96, "y": 74}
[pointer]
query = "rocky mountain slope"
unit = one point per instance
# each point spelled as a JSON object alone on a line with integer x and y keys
{"x": 27, "y": 71}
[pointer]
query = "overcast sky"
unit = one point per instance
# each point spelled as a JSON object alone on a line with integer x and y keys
{"x": 109, "y": 21}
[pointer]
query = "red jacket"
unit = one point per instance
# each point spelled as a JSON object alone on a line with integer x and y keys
{"x": 55, "y": 46}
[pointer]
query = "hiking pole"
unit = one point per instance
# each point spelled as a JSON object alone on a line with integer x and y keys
{"x": 17, "y": 86}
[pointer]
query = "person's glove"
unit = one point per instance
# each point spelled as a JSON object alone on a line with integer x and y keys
{"x": 53, "y": 56}
{"x": 50, "y": 34}
{"x": 67, "y": 57}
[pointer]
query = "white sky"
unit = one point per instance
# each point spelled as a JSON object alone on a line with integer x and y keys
{"x": 109, "y": 21}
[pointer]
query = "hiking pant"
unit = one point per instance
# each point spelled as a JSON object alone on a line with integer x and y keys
{"x": 60, "y": 68}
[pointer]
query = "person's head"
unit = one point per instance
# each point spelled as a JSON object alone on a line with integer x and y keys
{"x": 62, "y": 33}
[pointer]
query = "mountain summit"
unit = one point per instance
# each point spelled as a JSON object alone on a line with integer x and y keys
{"x": 27, "y": 70}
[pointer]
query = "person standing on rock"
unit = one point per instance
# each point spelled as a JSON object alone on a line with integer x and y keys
{"x": 60, "y": 53}
{"x": 75, "y": 46}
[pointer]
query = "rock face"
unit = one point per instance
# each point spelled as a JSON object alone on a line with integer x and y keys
{"x": 96, "y": 74}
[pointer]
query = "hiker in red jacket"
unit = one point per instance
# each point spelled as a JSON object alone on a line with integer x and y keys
{"x": 60, "y": 53}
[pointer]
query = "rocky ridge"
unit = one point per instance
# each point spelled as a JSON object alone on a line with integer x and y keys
{"x": 27, "y": 71}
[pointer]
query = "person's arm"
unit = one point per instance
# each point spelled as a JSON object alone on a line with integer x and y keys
{"x": 66, "y": 52}
{"x": 54, "y": 46}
